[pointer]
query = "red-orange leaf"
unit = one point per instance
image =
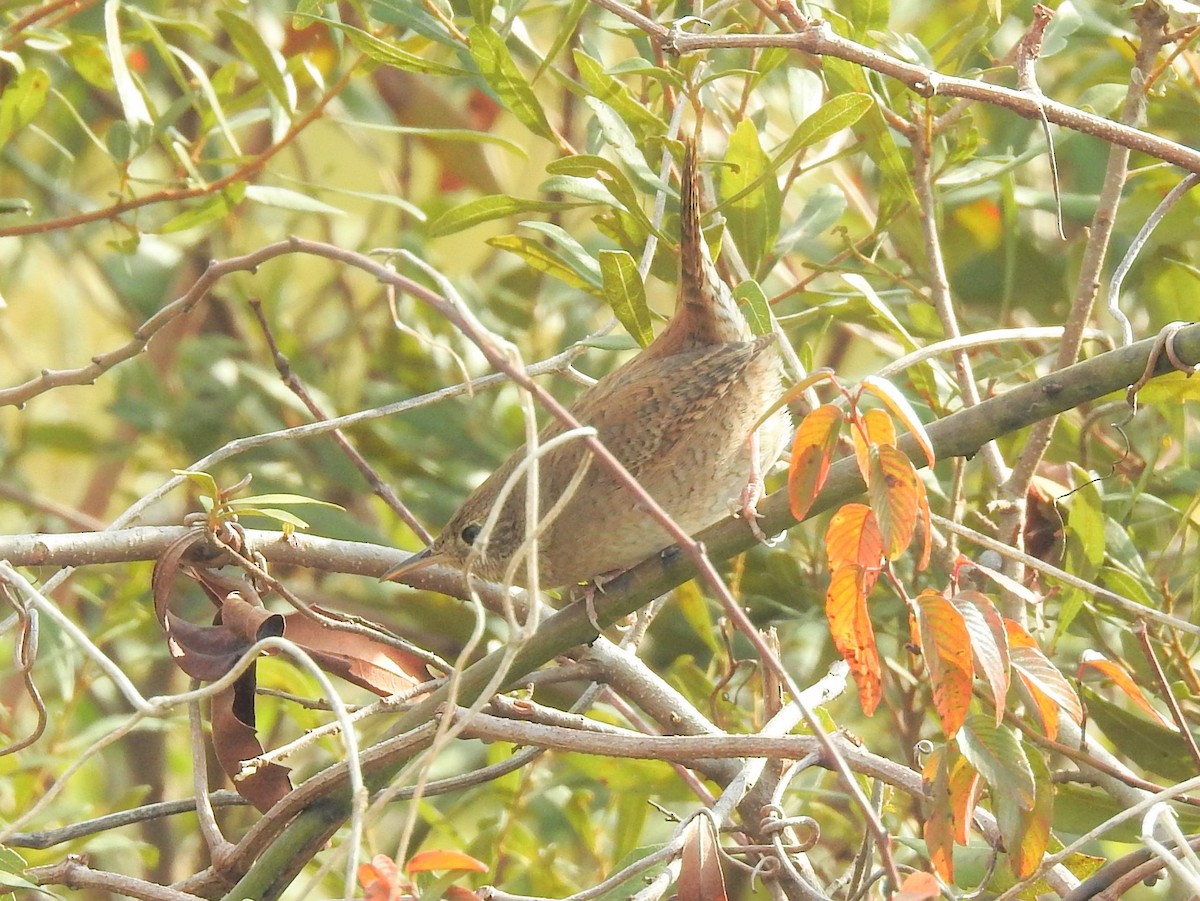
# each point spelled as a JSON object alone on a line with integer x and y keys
{"x": 989, "y": 646}
{"x": 875, "y": 428}
{"x": 812, "y": 451}
{"x": 443, "y": 859}
{"x": 381, "y": 880}
{"x": 846, "y": 609}
{"x": 946, "y": 645}
{"x": 1123, "y": 681}
{"x": 853, "y": 536}
{"x": 896, "y": 494}
{"x": 918, "y": 887}
{"x": 1048, "y": 687}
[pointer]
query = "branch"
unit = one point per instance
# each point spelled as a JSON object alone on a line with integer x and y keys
{"x": 816, "y": 37}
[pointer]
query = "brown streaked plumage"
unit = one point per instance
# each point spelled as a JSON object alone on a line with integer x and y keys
{"x": 678, "y": 416}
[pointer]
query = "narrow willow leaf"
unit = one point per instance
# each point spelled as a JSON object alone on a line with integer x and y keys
{"x": 501, "y": 73}
{"x": 287, "y": 199}
{"x": 573, "y": 253}
{"x": 604, "y": 87}
{"x": 266, "y": 63}
{"x": 388, "y": 54}
{"x": 622, "y": 140}
{"x": 485, "y": 209}
{"x": 840, "y": 112}
{"x": 753, "y": 302}
{"x": 626, "y": 294}
{"x": 535, "y": 254}
{"x": 133, "y": 104}
{"x": 569, "y": 22}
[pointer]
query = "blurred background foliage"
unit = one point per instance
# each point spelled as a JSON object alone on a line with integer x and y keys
{"x": 141, "y": 140}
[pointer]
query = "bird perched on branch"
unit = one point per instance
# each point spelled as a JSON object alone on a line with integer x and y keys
{"x": 679, "y": 417}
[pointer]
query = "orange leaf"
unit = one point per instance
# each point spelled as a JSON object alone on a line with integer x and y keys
{"x": 902, "y": 410}
{"x": 1033, "y": 829}
{"x": 1123, "y": 681}
{"x": 946, "y": 644}
{"x": 442, "y": 859}
{"x": 965, "y": 786}
{"x": 812, "y": 451}
{"x": 1048, "y": 687}
{"x": 989, "y": 646}
{"x": 846, "y": 609}
{"x": 853, "y": 536}
{"x": 938, "y": 826}
{"x": 896, "y": 495}
{"x": 875, "y": 427}
{"x": 918, "y": 887}
{"x": 381, "y": 880}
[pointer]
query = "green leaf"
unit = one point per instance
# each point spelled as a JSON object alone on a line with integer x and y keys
{"x": 205, "y": 483}
{"x": 866, "y": 15}
{"x": 485, "y": 209}
{"x": 997, "y": 756}
{"x": 626, "y": 294}
{"x": 213, "y": 208}
{"x": 267, "y": 64}
{"x": 614, "y": 179}
{"x": 501, "y": 73}
{"x": 753, "y": 301}
{"x": 1146, "y": 743}
{"x": 388, "y": 54}
{"x": 896, "y": 189}
{"x": 536, "y": 255}
{"x": 287, "y": 199}
{"x": 569, "y": 22}
{"x": 22, "y": 100}
{"x": 573, "y": 253}
{"x": 752, "y": 216}
{"x": 1084, "y": 551}
{"x": 133, "y": 104}
{"x": 622, "y": 140}
{"x": 259, "y": 499}
{"x": 618, "y": 97}
{"x": 840, "y": 112}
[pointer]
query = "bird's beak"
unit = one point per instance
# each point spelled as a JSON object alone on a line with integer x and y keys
{"x": 413, "y": 564}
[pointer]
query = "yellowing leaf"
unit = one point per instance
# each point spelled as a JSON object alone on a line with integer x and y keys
{"x": 902, "y": 410}
{"x": 853, "y": 536}
{"x": 897, "y": 495}
{"x": 812, "y": 451}
{"x": 946, "y": 646}
{"x": 989, "y": 644}
{"x": 1049, "y": 688}
{"x": 1123, "y": 681}
{"x": 874, "y": 427}
{"x": 846, "y": 609}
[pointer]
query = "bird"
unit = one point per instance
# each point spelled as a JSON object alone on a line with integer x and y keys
{"x": 680, "y": 416}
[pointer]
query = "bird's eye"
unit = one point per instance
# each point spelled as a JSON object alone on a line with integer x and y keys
{"x": 470, "y": 532}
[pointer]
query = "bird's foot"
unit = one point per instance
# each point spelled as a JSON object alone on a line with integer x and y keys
{"x": 594, "y": 587}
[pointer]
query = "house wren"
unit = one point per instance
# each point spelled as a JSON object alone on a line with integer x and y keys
{"x": 679, "y": 416}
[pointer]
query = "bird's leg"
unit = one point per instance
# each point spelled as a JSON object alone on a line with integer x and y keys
{"x": 752, "y": 492}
